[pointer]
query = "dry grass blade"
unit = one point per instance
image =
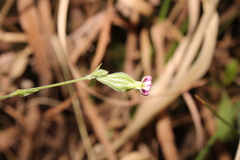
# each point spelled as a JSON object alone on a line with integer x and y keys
{"x": 193, "y": 7}
{"x": 83, "y": 37}
{"x": 31, "y": 124}
{"x": 231, "y": 12}
{"x": 131, "y": 52}
{"x": 62, "y": 19}
{"x": 103, "y": 40}
{"x": 145, "y": 51}
{"x": 196, "y": 118}
{"x": 20, "y": 64}
{"x": 15, "y": 114}
{"x": 166, "y": 137}
{"x": 58, "y": 108}
{"x": 161, "y": 32}
{"x": 9, "y": 37}
{"x": 138, "y": 6}
{"x": 6, "y": 7}
{"x": 175, "y": 12}
{"x": 158, "y": 34}
{"x": 134, "y": 156}
{"x": 104, "y": 36}
{"x": 44, "y": 7}
{"x": 30, "y": 22}
{"x": 8, "y": 137}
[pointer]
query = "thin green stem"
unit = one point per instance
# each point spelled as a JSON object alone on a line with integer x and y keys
{"x": 24, "y": 92}
{"x": 218, "y": 116}
{"x": 64, "y": 83}
{"x": 206, "y": 149}
{"x": 8, "y": 96}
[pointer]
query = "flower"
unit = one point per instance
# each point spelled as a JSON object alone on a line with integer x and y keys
{"x": 146, "y": 85}
{"x": 122, "y": 82}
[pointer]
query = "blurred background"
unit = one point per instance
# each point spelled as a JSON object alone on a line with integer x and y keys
{"x": 191, "y": 48}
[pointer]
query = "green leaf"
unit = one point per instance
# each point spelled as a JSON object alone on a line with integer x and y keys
{"x": 230, "y": 72}
{"x": 25, "y": 92}
{"x": 227, "y": 111}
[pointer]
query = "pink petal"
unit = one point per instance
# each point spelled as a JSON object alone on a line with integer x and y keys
{"x": 147, "y": 83}
{"x": 147, "y": 78}
{"x": 144, "y": 92}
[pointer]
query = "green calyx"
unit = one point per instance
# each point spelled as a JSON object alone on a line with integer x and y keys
{"x": 121, "y": 82}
